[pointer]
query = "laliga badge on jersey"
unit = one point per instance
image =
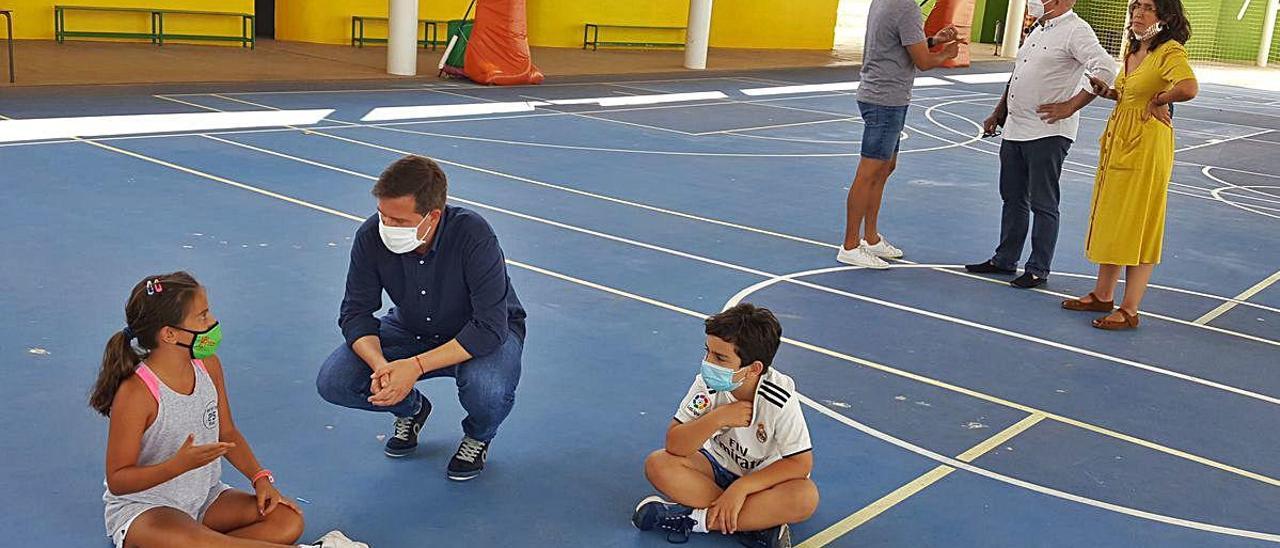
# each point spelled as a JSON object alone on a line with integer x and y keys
{"x": 700, "y": 403}
{"x": 760, "y": 433}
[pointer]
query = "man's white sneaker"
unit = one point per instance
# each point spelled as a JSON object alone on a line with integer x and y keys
{"x": 335, "y": 539}
{"x": 883, "y": 249}
{"x": 859, "y": 256}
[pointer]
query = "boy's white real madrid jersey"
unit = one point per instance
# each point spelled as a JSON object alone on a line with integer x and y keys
{"x": 777, "y": 426}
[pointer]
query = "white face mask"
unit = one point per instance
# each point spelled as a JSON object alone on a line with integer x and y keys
{"x": 401, "y": 239}
{"x": 1151, "y": 32}
{"x": 1035, "y": 8}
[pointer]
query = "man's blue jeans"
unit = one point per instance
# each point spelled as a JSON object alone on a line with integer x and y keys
{"x": 486, "y": 384}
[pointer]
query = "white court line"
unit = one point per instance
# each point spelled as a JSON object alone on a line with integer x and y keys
{"x": 386, "y": 114}
{"x": 1251, "y": 208}
{"x": 1093, "y": 169}
{"x": 1213, "y": 142}
{"x": 765, "y": 274}
{"x": 1145, "y": 314}
{"x": 924, "y": 81}
{"x": 1009, "y": 480}
{"x": 181, "y": 102}
{"x": 1029, "y": 338}
{"x": 760, "y": 102}
{"x": 984, "y": 78}
{"x": 911, "y": 488}
{"x": 660, "y": 98}
{"x": 824, "y": 244}
{"x": 823, "y": 409}
{"x": 1244, "y": 295}
{"x": 444, "y": 87}
{"x": 778, "y": 126}
{"x": 1157, "y": 316}
{"x": 807, "y": 88}
{"x": 97, "y": 126}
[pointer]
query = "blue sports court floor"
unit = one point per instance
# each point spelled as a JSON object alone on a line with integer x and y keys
{"x": 945, "y": 409}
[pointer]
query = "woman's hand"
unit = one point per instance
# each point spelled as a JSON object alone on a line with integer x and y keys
{"x": 1158, "y": 110}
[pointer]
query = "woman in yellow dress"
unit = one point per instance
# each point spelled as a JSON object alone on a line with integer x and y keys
{"x": 1126, "y": 224}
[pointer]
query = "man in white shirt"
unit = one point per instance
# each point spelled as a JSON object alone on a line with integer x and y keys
{"x": 1038, "y": 112}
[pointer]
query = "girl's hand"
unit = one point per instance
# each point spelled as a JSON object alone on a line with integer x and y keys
{"x": 191, "y": 456}
{"x": 269, "y": 498}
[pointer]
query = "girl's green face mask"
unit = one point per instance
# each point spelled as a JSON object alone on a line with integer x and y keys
{"x": 205, "y": 343}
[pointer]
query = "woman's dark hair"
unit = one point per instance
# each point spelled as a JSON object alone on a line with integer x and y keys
{"x": 154, "y": 303}
{"x": 1174, "y": 19}
{"x": 753, "y": 331}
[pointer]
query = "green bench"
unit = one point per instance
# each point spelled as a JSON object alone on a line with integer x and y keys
{"x": 8, "y": 21}
{"x": 157, "y": 35}
{"x": 591, "y": 36}
{"x": 430, "y": 32}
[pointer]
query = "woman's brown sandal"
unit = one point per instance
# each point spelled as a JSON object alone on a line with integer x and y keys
{"x": 1130, "y": 321}
{"x": 1097, "y": 305}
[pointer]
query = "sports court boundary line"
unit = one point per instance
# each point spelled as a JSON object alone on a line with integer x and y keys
{"x": 907, "y": 490}
{"x": 813, "y": 242}
{"x": 794, "y": 279}
{"x": 804, "y": 399}
{"x": 919, "y": 378}
{"x": 1243, "y": 296}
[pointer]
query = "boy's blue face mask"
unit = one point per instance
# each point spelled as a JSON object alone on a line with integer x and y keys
{"x": 718, "y": 378}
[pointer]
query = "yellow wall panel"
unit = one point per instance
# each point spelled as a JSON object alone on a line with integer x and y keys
{"x": 795, "y": 24}
{"x": 328, "y": 22}
{"x": 33, "y": 19}
{"x": 798, "y": 24}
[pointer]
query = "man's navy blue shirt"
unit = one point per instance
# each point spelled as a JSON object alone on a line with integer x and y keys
{"x": 458, "y": 289}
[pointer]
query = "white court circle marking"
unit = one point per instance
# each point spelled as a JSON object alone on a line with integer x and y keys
{"x": 954, "y": 463}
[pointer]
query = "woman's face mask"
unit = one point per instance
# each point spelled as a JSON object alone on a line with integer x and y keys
{"x": 1148, "y": 34}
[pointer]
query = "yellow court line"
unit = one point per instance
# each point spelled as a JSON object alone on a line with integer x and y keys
{"x": 1243, "y": 296}
{"x": 870, "y": 511}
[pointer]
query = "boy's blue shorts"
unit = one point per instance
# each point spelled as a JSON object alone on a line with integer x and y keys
{"x": 724, "y": 478}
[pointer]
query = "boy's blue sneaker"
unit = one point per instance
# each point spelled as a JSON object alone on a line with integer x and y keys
{"x": 776, "y": 537}
{"x": 656, "y": 513}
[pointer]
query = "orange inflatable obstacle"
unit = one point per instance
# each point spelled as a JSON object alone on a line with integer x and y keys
{"x": 953, "y": 12}
{"x": 498, "y": 51}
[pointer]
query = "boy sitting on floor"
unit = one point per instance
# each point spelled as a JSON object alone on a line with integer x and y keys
{"x": 737, "y": 457}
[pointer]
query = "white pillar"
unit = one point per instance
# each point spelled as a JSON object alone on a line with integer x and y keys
{"x": 1268, "y": 31}
{"x": 698, "y": 35}
{"x": 402, "y": 37}
{"x": 1013, "y": 28}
